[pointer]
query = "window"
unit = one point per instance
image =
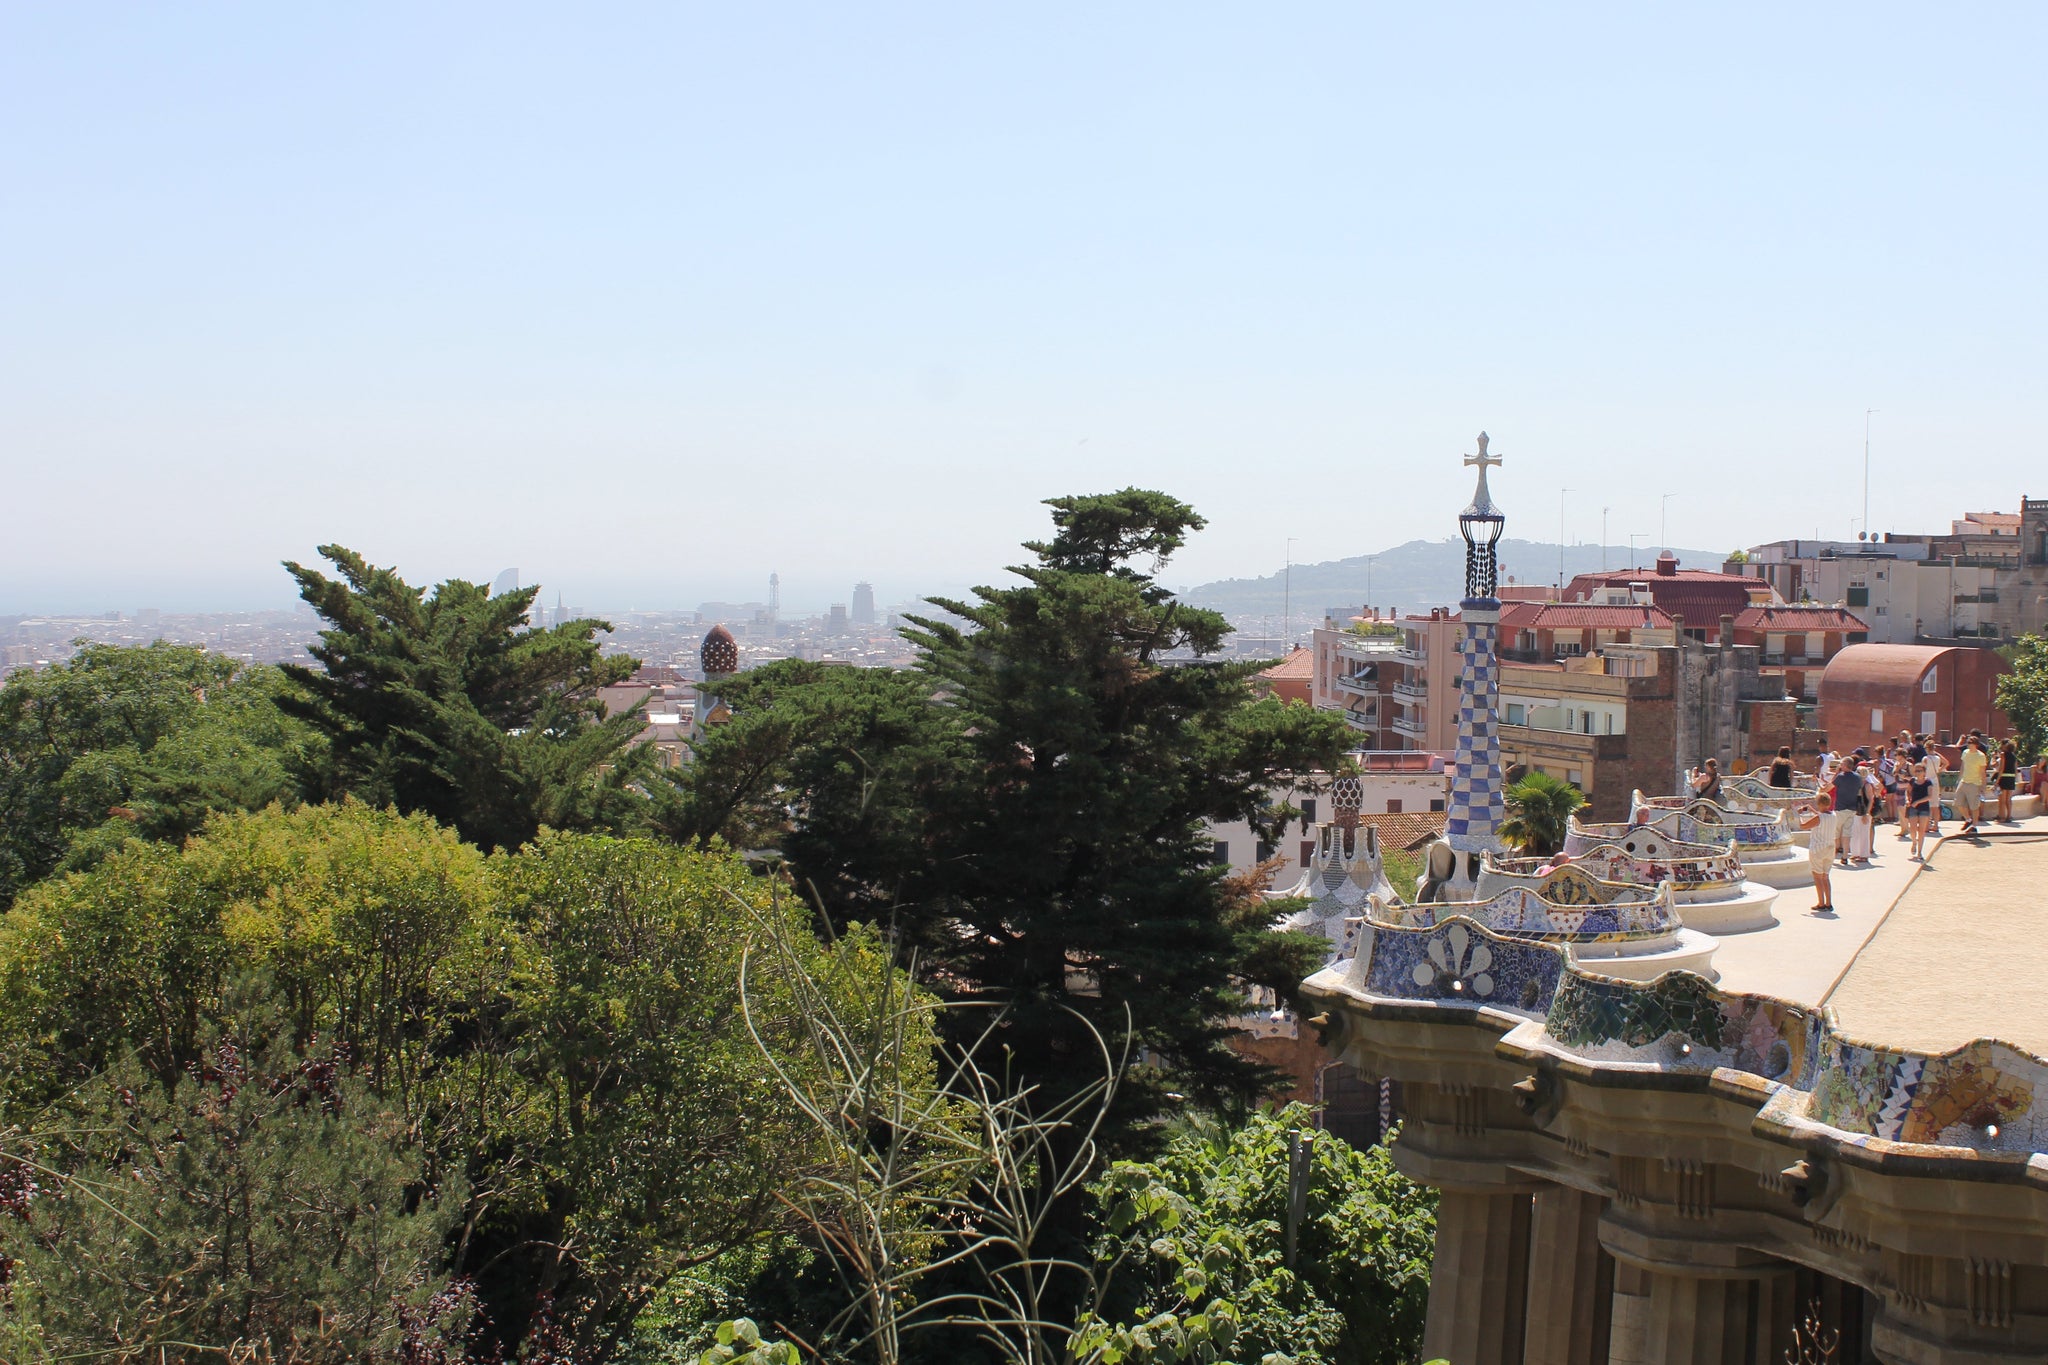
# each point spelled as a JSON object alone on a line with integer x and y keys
{"x": 1436, "y": 803}
{"x": 1265, "y": 851}
{"x": 1515, "y": 713}
{"x": 1859, "y": 596}
{"x": 1930, "y": 681}
{"x": 1219, "y": 853}
{"x": 1393, "y": 805}
{"x": 1575, "y": 777}
{"x": 1308, "y": 851}
{"x": 1926, "y": 722}
{"x": 1877, "y": 720}
{"x": 1308, "y": 811}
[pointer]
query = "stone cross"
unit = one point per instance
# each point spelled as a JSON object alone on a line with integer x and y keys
{"x": 1482, "y": 459}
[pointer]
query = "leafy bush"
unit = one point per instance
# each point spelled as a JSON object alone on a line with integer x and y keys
{"x": 1194, "y": 1248}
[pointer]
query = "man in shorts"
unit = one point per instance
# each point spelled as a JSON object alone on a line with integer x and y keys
{"x": 1970, "y": 783}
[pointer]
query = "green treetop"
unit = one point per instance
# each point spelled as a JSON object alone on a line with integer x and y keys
{"x": 122, "y": 742}
{"x": 450, "y": 705}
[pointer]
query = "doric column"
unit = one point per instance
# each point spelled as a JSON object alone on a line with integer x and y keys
{"x": 1699, "y": 1321}
{"x": 1569, "y": 1313}
{"x": 1628, "y": 1328}
{"x": 1479, "y": 1278}
{"x": 1688, "y": 1299}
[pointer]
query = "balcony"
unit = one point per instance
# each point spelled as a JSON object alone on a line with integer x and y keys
{"x": 1411, "y": 692}
{"x": 1364, "y": 687}
{"x": 1411, "y": 729}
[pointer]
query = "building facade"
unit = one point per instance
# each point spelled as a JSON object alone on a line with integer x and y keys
{"x": 1871, "y": 692}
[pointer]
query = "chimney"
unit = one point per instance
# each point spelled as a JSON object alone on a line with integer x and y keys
{"x": 1727, "y": 631}
{"x": 1667, "y": 565}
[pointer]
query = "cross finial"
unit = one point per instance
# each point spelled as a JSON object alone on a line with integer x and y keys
{"x": 1482, "y": 459}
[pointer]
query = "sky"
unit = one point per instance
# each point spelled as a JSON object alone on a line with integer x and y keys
{"x": 649, "y": 301}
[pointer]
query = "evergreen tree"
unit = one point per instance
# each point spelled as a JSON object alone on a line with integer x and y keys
{"x": 451, "y": 705}
{"x": 1070, "y": 875}
{"x": 842, "y": 769}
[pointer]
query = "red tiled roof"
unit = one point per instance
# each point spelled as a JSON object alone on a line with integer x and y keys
{"x": 1408, "y": 829}
{"x": 1299, "y": 663}
{"x": 1805, "y": 616}
{"x": 1583, "y": 616}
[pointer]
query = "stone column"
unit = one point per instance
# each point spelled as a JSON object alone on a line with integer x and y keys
{"x": 1699, "y": 1321}
{"x": 1479, "y": 1278}
{"x": 1629, "y": 1319}
{"x": 1692, "y": 1300}
{"x": 1569, "y": 1311}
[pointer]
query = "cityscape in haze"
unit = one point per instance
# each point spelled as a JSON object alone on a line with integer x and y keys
{"x": 1060, "y": 684}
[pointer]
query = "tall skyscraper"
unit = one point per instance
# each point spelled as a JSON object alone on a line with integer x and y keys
{"x": 835, "y": 623}
{"x": 774, "y": 596}
{"x": 863, "y": 604}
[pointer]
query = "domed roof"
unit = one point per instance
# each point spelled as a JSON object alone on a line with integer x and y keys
{"x": 721, "y": 653}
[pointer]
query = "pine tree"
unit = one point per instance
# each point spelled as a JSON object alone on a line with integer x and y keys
{"x": 450, "y": 705}
{"x": 1071, "y": 878}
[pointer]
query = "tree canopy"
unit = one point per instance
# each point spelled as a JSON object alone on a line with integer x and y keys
{"x": 451, "y": 705}
{"x": 553, "y": 1037}
{"x": 2023, "y": 693}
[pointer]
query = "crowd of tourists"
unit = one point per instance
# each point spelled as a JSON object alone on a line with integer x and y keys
{"x": 1900, "y": 784}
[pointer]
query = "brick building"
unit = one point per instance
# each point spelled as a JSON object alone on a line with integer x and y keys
{"x": 1870, "y": 692}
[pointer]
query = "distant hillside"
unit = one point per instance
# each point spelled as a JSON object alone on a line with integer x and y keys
{"x": 1416, "y": 576}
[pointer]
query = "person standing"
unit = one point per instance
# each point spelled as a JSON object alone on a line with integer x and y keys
{"x": 1706, "y": 783}
{"x": 1935, "y": 765}
{"x": 1848, "y": 794}
{"x": 1919, "y": 801}
{"x": 1970, "y": 783}
{"x": 1863, "y": 832}
{"x": 1818, "y": 820}
{"x": 2008, "y": 779}
{"x": 1781, "y": 767}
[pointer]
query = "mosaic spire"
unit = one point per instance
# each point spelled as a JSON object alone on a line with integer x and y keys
{"x": 1472, "y": 822}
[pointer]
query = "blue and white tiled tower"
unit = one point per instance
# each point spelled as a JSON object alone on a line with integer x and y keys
{"x": 1472, "y": 824}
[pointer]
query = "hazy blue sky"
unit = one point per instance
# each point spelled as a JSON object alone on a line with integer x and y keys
{"x": 651, "y": 300}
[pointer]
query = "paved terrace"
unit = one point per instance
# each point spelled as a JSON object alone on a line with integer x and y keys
{"x": 1919, "y": 956}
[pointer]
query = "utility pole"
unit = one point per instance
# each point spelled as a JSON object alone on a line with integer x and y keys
{"x": 1287, "y": 599}
{"x": 1866, "y": 468}
{"x": 1603, "y": 538}
{"x": 1560, "y": 540}
{"x": 1633, "y": 561}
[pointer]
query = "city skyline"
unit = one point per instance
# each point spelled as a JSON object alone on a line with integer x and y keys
{"x": 795, "y": 291}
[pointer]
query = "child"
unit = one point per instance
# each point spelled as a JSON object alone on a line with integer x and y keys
{"x": 1819, "y": 821}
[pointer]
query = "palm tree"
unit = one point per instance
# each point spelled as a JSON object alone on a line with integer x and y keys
{"x": 1539, "y": 812}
